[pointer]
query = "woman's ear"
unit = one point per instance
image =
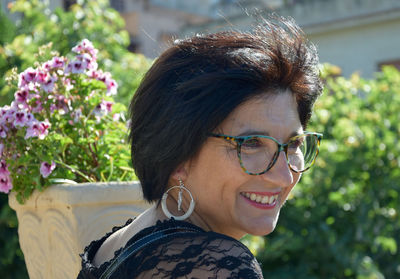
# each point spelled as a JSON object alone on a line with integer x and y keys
{"x": 181, "y": 172}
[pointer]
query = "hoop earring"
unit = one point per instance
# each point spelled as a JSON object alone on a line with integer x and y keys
{"x": 164, "y": 202}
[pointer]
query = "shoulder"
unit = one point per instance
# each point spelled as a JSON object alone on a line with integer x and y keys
{"x": 90, "y": 251}
{"x": 198, "y": 255}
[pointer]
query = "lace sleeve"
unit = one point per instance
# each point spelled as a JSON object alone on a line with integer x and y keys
{"x": 207, "y": 255}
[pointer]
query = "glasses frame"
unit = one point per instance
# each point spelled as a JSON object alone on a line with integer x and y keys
{"x": 281, "y": 147}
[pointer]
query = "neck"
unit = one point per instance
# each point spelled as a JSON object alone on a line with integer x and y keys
{"x": 194, "y": 218}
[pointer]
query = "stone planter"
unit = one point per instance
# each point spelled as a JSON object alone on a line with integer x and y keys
{"x": 55, "y": 225}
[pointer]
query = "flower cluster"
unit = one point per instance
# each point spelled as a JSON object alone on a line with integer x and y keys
{"x": 46, "y": 96}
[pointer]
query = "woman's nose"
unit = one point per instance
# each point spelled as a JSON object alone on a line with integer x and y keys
{"x": 280, "y": 173}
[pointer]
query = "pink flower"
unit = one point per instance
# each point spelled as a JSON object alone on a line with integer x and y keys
{"x": 21, "y": 80}
{"x": 9, "y": 117}
{"x": 20, "y": 118}
{"x": 5, "y": 183}
{"x": 30, "y": 118}
{"x": 44, "y": 129}
{"x": 103, "y": 76}
{"x": 100, "y": 110}
{"x": 3, "y": 111}
{"x": 46, "y": 169}
{"x": 78, "y": 67}
{"x": 22, "y": 95}
{"x": 112, "y": 87}
{"x": 93, "y": 65}
{"x": 33, "y": 130}
{"x": 108, "y": 105}
{"x": 89, "y": 61}
{"x": 37, "y": 129}
{"x": 48, "y": 83}
{"x": 57, "y": 62}
{"x": 86, "y": 46}
{"x": 46, "y": 66}
{"x": 68, "y": 68}
{"x": 111, "y": 84}
{"x": 1, "y": 148}
{"x": 27, "y": 76}
{"x": 3, "y": 131}
{"x": 103, "y": 108}
{"x": 78, "y": 48}
{"x": 85, "y": 57}
{"x": 94, "y": 74}
{"x": 4, "y": 167}
{"x": 42, "y": 76}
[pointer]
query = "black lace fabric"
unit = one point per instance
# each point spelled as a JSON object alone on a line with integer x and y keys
{"x": 199, "y": 255}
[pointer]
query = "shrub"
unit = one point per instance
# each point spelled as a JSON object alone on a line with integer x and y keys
{"x": 63, "y": 125}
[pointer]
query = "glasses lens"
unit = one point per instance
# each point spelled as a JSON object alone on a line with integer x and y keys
{"x": 301, "y": 152}
{"x": 257, "y": 154}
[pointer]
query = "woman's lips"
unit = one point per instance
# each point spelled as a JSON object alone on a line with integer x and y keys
{"x": 262, "y": 200}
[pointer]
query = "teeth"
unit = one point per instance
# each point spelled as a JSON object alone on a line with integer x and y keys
{"x": 261, "y": 199}
{"x": 271, "y": 199}
{"x": 265, "y": 199}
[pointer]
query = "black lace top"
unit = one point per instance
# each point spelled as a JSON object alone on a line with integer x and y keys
{"x": 199, "y": 255}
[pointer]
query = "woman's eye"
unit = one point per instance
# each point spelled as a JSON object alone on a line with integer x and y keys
{"x": 296, "y": 143}
{"x": 252, "y": 143}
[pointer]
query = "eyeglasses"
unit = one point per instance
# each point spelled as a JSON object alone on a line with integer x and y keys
{"x": 257, "y": 154}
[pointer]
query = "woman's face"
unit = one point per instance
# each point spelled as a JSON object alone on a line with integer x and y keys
{"x": 221, "y": 188}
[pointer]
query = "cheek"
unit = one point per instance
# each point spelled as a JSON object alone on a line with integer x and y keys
{"x": 296, "y": 178}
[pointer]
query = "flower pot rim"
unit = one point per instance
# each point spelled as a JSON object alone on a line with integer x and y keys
{"x": 82, "y": 193}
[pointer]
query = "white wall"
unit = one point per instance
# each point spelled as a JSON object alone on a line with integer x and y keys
{"x": 150, "y": 29}
{"x": 360, "y": 48}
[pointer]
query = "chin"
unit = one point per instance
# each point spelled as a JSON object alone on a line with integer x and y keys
{"x": 263, "y": 231}
{"x": 263, "y": 228}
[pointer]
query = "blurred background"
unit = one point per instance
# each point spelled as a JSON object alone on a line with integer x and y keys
{"x": 342, "y": 220}
{"x": 356, "y": 35}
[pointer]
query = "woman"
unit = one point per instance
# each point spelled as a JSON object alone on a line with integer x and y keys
{"x": 218, "y": 142}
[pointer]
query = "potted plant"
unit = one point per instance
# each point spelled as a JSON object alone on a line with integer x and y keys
{"x": 64, "y": 127}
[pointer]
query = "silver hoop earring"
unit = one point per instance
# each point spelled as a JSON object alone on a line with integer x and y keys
{"x": 164, "y": 202}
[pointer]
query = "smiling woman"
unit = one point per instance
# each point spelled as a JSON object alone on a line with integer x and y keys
{"x": 218, "y": 141}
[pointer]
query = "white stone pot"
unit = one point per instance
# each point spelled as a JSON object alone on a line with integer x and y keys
{"x": 55, "y": 225}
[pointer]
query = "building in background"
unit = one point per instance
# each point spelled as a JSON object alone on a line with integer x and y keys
{"x": 153, "y": 24}
{"x": 356, "y": 35}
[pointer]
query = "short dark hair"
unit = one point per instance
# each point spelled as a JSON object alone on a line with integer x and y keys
{"x": 197, "y": 82}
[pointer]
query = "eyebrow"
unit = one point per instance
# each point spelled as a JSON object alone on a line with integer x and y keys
{"x": 262, "y": 133}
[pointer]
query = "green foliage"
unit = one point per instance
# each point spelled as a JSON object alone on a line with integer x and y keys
{"x": 7, "y": 31}
{"x": 343, "y": 218}
{"x": 12, "y": 264}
